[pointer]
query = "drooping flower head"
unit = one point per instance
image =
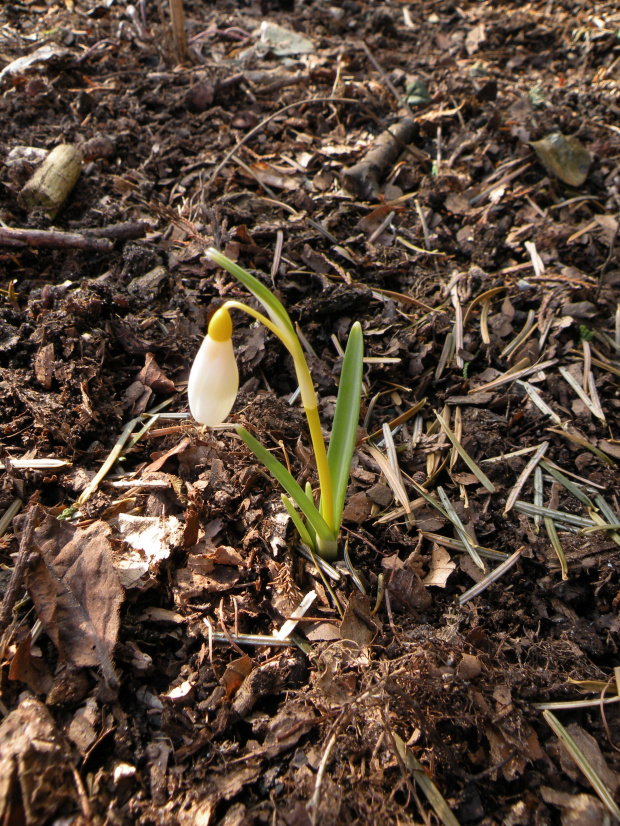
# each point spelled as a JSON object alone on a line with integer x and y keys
{"x": 214, "y": 377}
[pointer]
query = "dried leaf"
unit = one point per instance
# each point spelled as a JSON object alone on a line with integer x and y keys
{"x": 235, "y": 674}
{"x": 577, "y": 809}
{"x": 475, "y": 38}
{"x": 501, "y": 751}
{"x": 155, "y": 536}
{"x": 203, "y": 576}
{"x": 36, "y": 778}
{"x": 33, "y": 671}
{"x": 469, "y": 668}
{"x": 154, "y": 377}
{"x": 592, "y": 751}
{"x": 441, "y": 567}
{"x": 44, "y": 365}
{"x": 357, "y": 624}
{"x": 77, "y": 593}
{"x": 407, "y": 587}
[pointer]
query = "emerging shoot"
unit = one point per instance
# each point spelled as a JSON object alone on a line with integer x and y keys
{"x": 213, "y": 387}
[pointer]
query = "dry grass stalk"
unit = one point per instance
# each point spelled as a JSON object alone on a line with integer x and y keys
{"x": 481, "y": 586}
{"x": 478, "y": 473}
{"x": 557, "y": 545}
{"x": 460, "y": 529}
{"x": 584, "y": 764}
{"x": 524, "y": 476}
{"x": 519, "y": 374}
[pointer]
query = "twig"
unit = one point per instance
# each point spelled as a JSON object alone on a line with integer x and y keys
{"x": 125, "y": 231}
{"x": 17, "y": 575}
{"x": 52, "y": 239}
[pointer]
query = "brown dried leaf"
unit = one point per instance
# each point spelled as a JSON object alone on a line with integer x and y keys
{"x": 578, "y": 809}
{"x": 287, "y": 727}
{"x": 357, "y": 624}
{"x": 192, "y": 523}
{"x": 225, "y": 555}
{"x": 441, "y": 567}
{"x": 408, "y": 589}
{"x": 44, "y": 365}
{"x": 77, "y": 593}
{"x": 202, "y": 576}
{"x": 154, "y": 377}
{"x": 235, "y": 674}
{"x": 469, "y": 668}
{"x": 33, "y": 671}
{"x": 36, "y": 778}
{"x": 501, "y": 751}
{"x": 592, "y": 751}
{"x": 357, "y": 509}
{"x": 160, "y": 460}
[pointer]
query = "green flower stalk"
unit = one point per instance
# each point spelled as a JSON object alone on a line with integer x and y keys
{"x": 213, "y": 387}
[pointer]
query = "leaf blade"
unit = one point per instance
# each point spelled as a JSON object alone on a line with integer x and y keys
{"x": 276, "y": 310}
{"x": 346, "y": 417}
{"x": 288, "y": 483}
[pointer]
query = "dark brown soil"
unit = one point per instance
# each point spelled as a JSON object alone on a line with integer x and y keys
{"x": 119, "y": 702}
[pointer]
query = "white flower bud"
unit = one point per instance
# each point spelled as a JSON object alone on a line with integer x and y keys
{"x": 214, "y": 377}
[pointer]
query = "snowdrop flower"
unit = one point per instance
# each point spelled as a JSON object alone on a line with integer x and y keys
{"x": 214, "y": 377}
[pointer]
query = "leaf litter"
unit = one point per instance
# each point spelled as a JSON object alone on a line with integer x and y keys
{"x": 450, "y": 180}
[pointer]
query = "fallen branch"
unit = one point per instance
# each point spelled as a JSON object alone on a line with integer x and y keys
{"x": 53, "y": 181}
{"x": 53, "y": 239}
{"x": 17, "y": 574}
{"x": 362, "y": 179}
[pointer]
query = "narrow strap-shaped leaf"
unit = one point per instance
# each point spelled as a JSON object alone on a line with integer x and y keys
{"x": 346, "y": 417}
{"x": 289, "y": 484}
{"x": 296, "y": 519}
{"x": 276, "y": 311}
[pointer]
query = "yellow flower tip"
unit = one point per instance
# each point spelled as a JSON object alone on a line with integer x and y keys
{"x": 213, "y": 380}
{"x": 220, "y": 326}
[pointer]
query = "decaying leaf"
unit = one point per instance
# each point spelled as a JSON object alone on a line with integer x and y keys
{"x": 154, "y": 377}
{"x": 469, "y": 667}
{"x": 357, "y": 624}
{"x": 154, "y": 536}
{"x": 441, "y": 567}
{"x": 202, "y": 575}
{"x": 503, "y": 753}
{"x": 406, "y": 586}
{"x": 33, "y": 671}
{"x": 592, "y": 751}
{"x": 577, "y": 809}
{"x": 235, "y": 674}
{"x": 36, "y": 777}
{"x": 76, "y": 593}
{"x": 44, "y": 365}
{"x": 218, "y": 786}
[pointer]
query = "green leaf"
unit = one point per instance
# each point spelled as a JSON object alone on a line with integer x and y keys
{"x": 274, "y": 308}
{"x": 346, "y": 417}
{"x": 289, "y": 484}
{"x": 296, "y": 518}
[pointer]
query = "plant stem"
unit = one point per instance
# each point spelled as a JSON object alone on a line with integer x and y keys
{"x": 309, "y": 401}
{"x": 325, "y": 479}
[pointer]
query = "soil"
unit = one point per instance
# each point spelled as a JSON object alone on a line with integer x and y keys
{"x": 465, "y": 253}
